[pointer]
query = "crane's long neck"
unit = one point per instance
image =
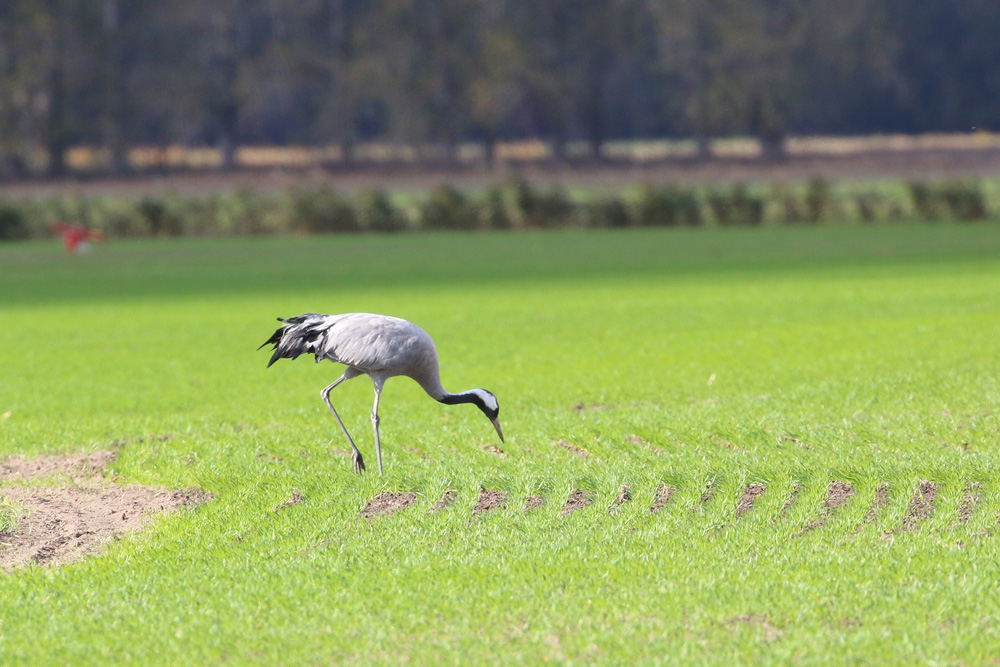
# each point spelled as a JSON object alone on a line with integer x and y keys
{"x": 442, "y": 395}
{"x": 462, "y": 397}
{"x": 478, "y": 397}
{"x": 431, "y": 383}
{"x": 481, "y": 398}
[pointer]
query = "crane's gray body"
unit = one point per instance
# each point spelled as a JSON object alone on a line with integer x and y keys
{"x": 378, "y": 346}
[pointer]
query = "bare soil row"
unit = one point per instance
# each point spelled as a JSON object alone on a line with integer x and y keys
{"x": 77, "y": 510}
{"x": 920, "y": 508}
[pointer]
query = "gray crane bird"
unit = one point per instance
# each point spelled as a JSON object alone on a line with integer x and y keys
{"x": 380, "y": 347}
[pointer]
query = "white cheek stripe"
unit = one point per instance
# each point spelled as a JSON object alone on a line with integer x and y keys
{"x": 488, "y": 399}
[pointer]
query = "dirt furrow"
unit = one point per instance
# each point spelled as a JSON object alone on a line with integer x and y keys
{"x": 838, "y": 494}
{"x": 388, "y": 502}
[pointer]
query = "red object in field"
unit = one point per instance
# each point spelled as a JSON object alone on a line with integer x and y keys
{"x": 74, "y": 236}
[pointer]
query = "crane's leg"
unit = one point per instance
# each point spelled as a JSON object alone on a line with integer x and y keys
{"x": 359, "y": 462}
{"x": 378, "y": 443}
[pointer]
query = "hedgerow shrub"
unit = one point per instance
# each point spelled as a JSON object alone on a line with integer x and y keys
{"x": 377, "y": 213}
{"x": 516, "y": 204}
{"x": 670, "y": 206}
{"x": 13, "y": 226}
{"x": 540, "y": 209}
{"x": 321, "y": 210}
{"x": 736, "y": 206}
{"x": 447, "y": 208}
{"x": 954, "y": 200}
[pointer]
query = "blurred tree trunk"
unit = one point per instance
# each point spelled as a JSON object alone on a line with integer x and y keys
{"x": 610, "y": 34}
{"x": 208, "y": 68}
{"x": 688, "y": 49}
{"x": 431, "y": 59}
{"x": 340, "y": 59}
{"x": 23, "y": 84}
{"x": 696, "y": 78}
{"x": 450, "y": 58}
{"x": 771, "y": 67}
{"x": 593, "y": 105}
{"x": 56, "y": 134}
{"x": 550, "y": 83}
{"x": 57, "y": 125}
{"x": 113, "y": 99}
{"x": 224, "y": 64}
{"x": 493, "y": 93}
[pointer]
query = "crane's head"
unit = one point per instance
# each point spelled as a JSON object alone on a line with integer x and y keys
{"x": 487, "y": 402}
{"x": 482, "y": 399}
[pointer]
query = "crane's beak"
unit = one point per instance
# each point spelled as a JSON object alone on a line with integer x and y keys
{"x": 496, "y": 425}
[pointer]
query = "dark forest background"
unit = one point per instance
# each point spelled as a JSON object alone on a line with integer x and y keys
{"x": 115, "y": 74}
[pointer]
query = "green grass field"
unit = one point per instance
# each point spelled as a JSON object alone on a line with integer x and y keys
{"x": 787, "y": 358}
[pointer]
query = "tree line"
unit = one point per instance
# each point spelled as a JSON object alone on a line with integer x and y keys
{"x": 116, "y": 74}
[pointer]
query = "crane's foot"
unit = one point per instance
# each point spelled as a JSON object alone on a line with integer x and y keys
{"x": 359, "y": 463}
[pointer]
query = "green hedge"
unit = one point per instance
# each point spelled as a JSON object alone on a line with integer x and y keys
{"x": 516, "y": 204}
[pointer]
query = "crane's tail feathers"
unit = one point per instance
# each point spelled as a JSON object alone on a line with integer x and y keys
{"x": 273, "y": 340}
{"x": 298, "y": 335}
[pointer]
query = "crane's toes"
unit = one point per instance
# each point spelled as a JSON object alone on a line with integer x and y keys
{"x": 359, "y": 464}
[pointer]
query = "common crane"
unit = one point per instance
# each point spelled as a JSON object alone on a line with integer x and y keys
{"x": 380, "y": 347}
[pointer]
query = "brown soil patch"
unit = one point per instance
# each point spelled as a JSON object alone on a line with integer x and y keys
{"x": 493, "y": 449}
{"x": 490, "y": 500}
{"x": 62, "y": 524}
{"x": 161, "y": 437}
{"x": 447, "y": 500}
{"x": 706, "y": 498}
{"x": 664, "y": 494}
{"x": 970, "y": 501}
{"x": 624, "y": 496}
{"x": 533, "y": 502}
{"x": 578, "y": 499}
{"x": 294, "y": 499}
{"x": 589, "y": 407}
{"x": 388, "y": 502}
{"x": 78, "y": 467}
{"x": 750, "y": 494}
{"x": 573, "y": 449}
{"x": 921, "y": 508}
{"x": 837, "y": 495}
{"x": 192, "y": 495}
{"x": 793, "y": 498}
{"x": 880, "y": 500}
